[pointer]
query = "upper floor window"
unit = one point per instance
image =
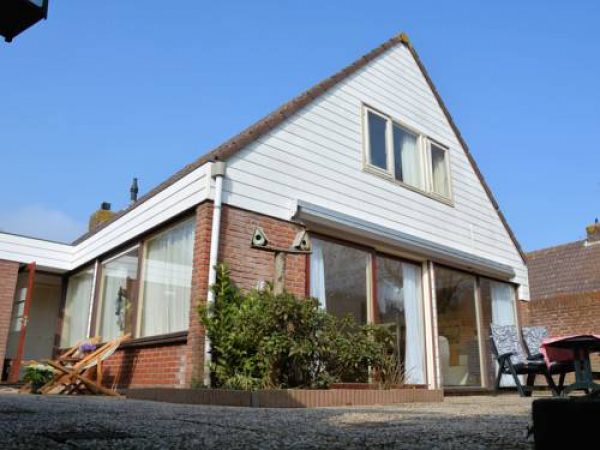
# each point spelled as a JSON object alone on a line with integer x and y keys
{"x": 396, "y": 152}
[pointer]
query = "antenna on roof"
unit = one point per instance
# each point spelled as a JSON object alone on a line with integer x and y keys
{"x": 133, "y": 191}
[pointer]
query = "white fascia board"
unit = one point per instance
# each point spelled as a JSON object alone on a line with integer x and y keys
{"x": 182, "y": 195}
{"x": 54, "y": 256}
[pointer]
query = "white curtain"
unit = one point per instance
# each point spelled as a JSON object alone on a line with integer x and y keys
{"x": 503, "y": 299}
{"x": 168, "y": 280}
{"x": 503, "y": 313}
{"x": 407, "y": 151}
{"x": 77, "y": 308}
{"x": 440, "y": 174}
{"x": 118, "y": 277}
{"x": 415, "y": 342}
{"x": 317, "y": 273}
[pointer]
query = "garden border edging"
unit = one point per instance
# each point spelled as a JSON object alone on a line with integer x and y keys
{"x": 286, "y": 398}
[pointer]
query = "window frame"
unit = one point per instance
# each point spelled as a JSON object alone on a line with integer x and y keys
{"x": 99, "y": 286}
{"x": 424, "y": 143}
{"x": 139, "y": 302}
{"x": 139, "y": 242}
{"x": 429, "y": 170}
{"x": 93, "y": 268}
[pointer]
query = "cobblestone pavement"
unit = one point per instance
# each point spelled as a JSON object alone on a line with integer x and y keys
{"x": 29, "y": 421}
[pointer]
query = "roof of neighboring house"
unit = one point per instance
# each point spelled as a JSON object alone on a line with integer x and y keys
{"x": 564, "y": 269}
{"x": 285, "y": 111}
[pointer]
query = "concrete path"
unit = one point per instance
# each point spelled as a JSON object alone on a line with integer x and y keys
{"x": 29, "y": 421}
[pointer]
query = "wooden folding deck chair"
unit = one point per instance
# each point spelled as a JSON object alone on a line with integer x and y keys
{"x": 63, "y": 357}
{"x": 84, "y": 375}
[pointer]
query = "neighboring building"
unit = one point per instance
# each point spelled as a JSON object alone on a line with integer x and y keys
{"x": 404, "y": 230}
{"x": 565, "y": 286}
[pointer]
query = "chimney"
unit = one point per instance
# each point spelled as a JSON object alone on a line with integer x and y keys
{"x": 593, "y": 232}
{"x": 100, "y": 216}
{"x": 133, "y": 191}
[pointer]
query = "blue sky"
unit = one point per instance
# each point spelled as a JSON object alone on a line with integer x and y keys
{"x": 98, "y": 94}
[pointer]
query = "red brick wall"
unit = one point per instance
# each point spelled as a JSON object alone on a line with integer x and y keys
{"x": 564, "y": 314}
{"x": 163, "y": 366}
{"x": 8, "y": 282}
{"x": 195, "y": 346}
{"x": 247, "y": 266}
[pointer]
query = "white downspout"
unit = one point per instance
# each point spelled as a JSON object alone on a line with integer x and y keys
{"x": 218, "y": 173}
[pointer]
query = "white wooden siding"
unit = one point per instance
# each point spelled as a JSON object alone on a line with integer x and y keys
{"x": 316, "y": 156}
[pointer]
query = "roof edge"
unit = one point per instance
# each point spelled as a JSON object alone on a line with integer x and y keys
{"x": 470, "y": 157}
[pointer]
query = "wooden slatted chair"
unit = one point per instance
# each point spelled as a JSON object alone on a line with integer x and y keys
{"x": 84, "y": 376}
{"x": 67, "y": 355}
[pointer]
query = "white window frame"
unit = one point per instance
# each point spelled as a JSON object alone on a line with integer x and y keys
{"x": 100, "y": 285}
{"x": 423, "y": 146}
{"x": 429, "y": 170}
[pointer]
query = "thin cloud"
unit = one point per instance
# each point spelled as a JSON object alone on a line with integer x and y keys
{"x": 41, "y": 222}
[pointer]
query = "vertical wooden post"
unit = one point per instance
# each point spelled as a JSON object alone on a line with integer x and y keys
{"x": 279, "y": 281}
{"x": 15, "y": 368}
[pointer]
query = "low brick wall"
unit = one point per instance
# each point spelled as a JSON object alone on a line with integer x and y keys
{"x": 163, "y": 365}
{"x": 287, "y": 398}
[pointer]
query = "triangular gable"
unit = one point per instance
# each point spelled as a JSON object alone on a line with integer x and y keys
{"x": 277, "y": 117}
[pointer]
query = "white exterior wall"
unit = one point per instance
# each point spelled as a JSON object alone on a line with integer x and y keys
{"x": 316, "y": 156}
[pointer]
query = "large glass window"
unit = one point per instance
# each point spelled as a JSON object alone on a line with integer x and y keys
{"x": 339, "y": 279}
{"x": 457, "y": 327}
{"x": 119, "y": 287}
{"x": 167, "y": 281}
{"x": 77, "y": 307}
{"x": 400, "y": 308}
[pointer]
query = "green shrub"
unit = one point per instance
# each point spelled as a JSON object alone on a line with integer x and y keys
{"x": 262, "y": 340}
{"x": 38, "y": 375}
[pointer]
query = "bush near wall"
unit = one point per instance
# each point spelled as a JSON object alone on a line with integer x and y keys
{"x": 262, "y": 340}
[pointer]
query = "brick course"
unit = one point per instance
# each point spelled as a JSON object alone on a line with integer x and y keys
{"x": 577, "y": 313}
{"x": 564, "y": 315}
{"x": 8, "y": 281}
{"x": 163, "y": 366}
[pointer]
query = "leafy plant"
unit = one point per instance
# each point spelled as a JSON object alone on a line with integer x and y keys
{"x": 38, "y": 375}
{"x": 263, "y": 340}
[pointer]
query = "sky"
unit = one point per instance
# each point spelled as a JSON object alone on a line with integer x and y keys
{"x": 105, "y": 91}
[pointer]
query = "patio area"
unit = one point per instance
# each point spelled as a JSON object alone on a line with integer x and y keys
{"x": 483, "y": 422}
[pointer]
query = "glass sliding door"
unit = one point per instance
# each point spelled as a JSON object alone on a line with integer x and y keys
{"x": 458, "y": 338}
{"x": 400, "y": 308}
{"x": 498, "y": 308}
{"x": 339, "y": 279}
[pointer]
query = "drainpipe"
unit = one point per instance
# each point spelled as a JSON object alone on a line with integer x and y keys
{"x": 218, "y": 173}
